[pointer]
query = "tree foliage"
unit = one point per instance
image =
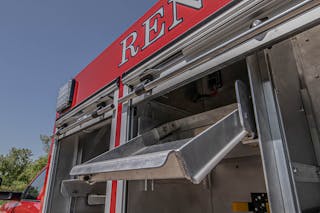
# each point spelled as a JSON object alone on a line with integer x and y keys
{"x": 17, "y": 169}
{"x": 12, "y": 166}
{"x": 46, "y": 142}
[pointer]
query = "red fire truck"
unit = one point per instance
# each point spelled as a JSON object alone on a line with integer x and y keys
{"x": 202, "y": 106}
{"x": 28, "y": 201}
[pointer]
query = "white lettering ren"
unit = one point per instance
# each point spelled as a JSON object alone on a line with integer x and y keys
{"x": 154, "y": 28}
{"x": 157, "y": 30}
{"x": 133, "y": 50}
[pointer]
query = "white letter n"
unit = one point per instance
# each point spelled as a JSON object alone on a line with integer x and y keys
{"x": 196, "y": 4}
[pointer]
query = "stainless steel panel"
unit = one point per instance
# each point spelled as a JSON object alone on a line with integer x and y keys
{"x": 286, "y": 83}
{"x": 295, "y": 129}
{"x": 231, "y": 181}
{"x": 278, "y": 177}
{"x": 169, "y": 196}
{"x": 306, "y": 49}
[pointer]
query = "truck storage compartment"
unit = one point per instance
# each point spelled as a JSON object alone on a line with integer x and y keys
{"x": 182, "y": 143}
{"x": 70, "y": 194}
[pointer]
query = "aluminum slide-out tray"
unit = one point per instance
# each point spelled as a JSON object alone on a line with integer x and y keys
{"x": 145, "y": 158}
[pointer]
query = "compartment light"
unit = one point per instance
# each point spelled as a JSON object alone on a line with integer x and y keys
{"x": 65, "y": 96}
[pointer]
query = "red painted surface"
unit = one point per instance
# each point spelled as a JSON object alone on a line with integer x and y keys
{"x": 105, "y": 68}
{"x": 113, "y": 202}
{"x": 8, "y": 207}
{"x": 25, "y": 206}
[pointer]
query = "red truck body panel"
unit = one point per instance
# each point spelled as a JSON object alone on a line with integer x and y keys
{"x": 26, "y": 206}
{"x": 164, "y": 15}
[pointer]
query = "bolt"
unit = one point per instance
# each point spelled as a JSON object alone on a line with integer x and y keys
{"x": 256, "y": 23}
{"x": 295, "y": 170}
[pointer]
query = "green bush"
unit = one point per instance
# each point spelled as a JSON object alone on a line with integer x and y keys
{"x": 17, "y": 169}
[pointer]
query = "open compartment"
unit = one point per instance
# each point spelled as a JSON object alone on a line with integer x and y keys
{"x": 182, "y": 142}
{"x": 82, "y": 134}
{"x": 76, "y": 149}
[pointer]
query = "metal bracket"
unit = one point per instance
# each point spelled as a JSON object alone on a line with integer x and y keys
{"x": 94, "y": 200}
{"x": 306, "y": 173}
{"x": 77, "y": 188}
{"x": 245, "y": 108}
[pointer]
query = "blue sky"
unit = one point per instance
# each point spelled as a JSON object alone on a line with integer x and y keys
{"x": 43, "y": 44}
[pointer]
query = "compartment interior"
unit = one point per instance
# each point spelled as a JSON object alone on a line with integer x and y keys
{"x": 234, "y": 179}
{"x": 74, "y": 150}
